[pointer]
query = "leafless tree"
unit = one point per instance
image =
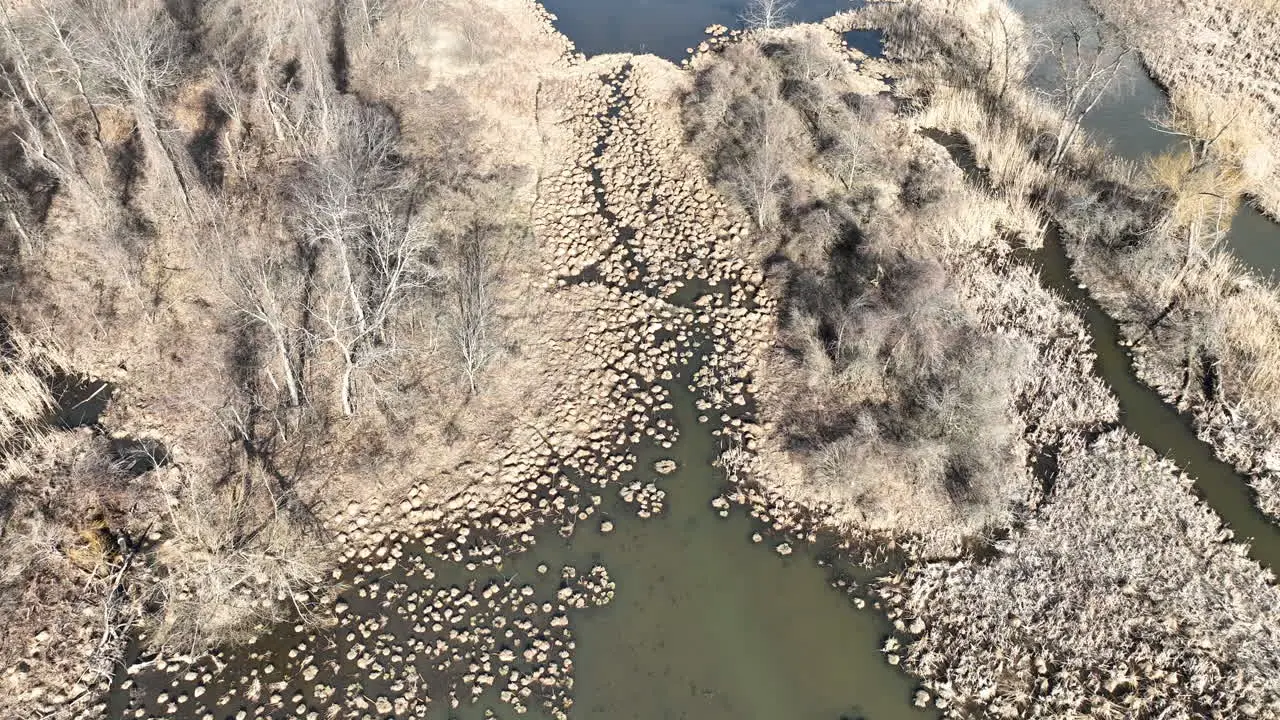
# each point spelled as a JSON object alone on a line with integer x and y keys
{"x": 761, "y": 175}
{"x": 268, "y": 300}
{"x": 766, "y": 14}
{"x": 1004, "y": 48}
{"x": 473, "y": 330}
{"x": 358, "y": 215}
{"x": 43, "y": 138}
{"x": 131, "y": 53}
{"x": 1086, "y": 56}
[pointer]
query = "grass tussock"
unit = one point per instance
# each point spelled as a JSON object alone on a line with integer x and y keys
{"x": 1118, "y": 600}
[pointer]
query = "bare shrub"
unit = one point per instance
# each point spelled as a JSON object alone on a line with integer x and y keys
{"x": 900, "y": 403}
{"x": 236, "y": 560}
{"x": 766, "y": 14}
{"x": 912, "y": 422}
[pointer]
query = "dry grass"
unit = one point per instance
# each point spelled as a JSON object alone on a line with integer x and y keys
{"x": 1143, "y": 239}
{"x": 1119, "y": 595}
{"x": 132, "y": 248}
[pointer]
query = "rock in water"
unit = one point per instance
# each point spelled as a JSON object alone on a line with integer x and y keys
{"x": 666, "y": 466}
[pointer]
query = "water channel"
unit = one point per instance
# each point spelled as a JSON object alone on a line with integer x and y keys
{"x": 703, "y": 622}
{"x": 1123, "y": 120}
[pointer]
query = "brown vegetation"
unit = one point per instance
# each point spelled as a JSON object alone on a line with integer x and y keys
{"x": 1117, "y": 593}
{"x": 1143, "y": 239}
{"x": 276, "y": 233}
{"x": 1219, "y": 55}
{"x": 1119, "y": 599}
{"x": 897, "y": 385}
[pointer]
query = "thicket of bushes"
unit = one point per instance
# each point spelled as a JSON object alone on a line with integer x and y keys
{"x": 274, "y": 227}
{"x": 890, "y": 387}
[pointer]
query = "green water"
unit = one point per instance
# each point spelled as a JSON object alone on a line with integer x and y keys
{"x": 705, "y": 623}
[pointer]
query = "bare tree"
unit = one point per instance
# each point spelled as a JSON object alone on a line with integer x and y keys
{"x": 43, "y": 140}
{"x": 359, "y": 219}
{"x": 473, "y": 328}
{"x": 761, "y": 175}
{"x": 766, "y": 14}
{"x": 133, "y": 54}
{"x": 269, "y": 301}
{"x": 1086, "y": 56}
{"x": 1002, "y": 44}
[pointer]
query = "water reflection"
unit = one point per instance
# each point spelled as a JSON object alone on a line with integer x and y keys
{"x": 666, "y": 28}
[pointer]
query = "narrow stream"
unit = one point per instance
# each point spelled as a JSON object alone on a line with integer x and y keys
{"x": 1124, "y": 120}
{"x": 1159, "y": 426}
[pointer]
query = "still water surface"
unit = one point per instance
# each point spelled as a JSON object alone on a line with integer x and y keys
{"x": 666, "y": 28}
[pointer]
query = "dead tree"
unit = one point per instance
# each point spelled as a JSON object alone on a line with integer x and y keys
{"x": 359, "y": 218}
{"x": 766, "y": 14}
{"x": 1087, "y": 56}
{"x": 132, "y": 52}
{"x": 269, "y": 301}
{"x": 1002, "y": 43}
{"x": 43, "y": 140}
{"x": 760, "y": 176}
{"x": 474, "y": 333}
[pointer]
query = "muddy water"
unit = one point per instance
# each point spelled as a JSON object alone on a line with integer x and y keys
{"x": 707, "y": 624}
{"x": 704, "y": 624}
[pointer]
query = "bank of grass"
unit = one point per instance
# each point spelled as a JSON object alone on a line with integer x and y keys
{"x": 917, "y": 368}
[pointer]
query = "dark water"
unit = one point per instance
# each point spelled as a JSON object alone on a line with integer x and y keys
{"x": 666, "y": 28}
{"x": 1254, "y": 240}
{"x": 705, "y": 625}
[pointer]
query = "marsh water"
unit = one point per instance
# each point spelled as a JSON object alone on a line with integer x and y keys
{"x": 1124, "y": 121}
{"x": 705, "y": 623}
